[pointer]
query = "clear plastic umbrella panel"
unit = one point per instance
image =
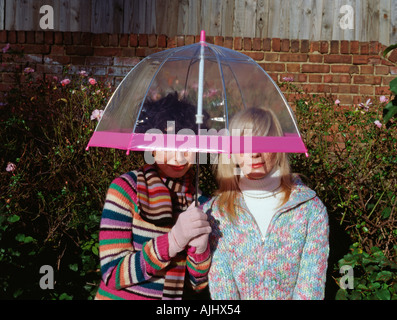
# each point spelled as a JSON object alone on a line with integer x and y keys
{"x": 219, "y": 81}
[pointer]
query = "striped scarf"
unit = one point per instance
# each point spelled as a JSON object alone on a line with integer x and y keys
{"x": 161, "y": 199}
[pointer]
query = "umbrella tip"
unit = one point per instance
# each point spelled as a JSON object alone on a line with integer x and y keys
{"x": 202, "y": 36}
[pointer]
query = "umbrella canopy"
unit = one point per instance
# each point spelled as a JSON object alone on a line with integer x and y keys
{"x": 219, "y": 81}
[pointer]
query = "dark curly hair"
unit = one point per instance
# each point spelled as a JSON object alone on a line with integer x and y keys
{"x": 156, "y": 114}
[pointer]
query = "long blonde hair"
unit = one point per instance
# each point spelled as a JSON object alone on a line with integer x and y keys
{"x": 261, "y": 122}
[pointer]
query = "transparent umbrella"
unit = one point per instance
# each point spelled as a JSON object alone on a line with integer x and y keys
{"x": 219, "y": 81}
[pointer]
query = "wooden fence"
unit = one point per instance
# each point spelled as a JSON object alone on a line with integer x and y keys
{"x": 362, "y": 20}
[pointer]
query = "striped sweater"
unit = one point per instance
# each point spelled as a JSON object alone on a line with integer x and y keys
{"x": 289, "y": 263}
{"x": 133, "y": 248}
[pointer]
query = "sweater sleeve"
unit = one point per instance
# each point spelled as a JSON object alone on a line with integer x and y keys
{"x": 198, "y": 266}
{"x": 221, "y": 282}
{"x": 121, "y": 264}
{"x": 313, "y": 266}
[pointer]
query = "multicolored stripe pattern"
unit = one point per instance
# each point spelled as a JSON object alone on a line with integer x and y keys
{"x": 291, "y": 261}
{"x": 133, "y": 249}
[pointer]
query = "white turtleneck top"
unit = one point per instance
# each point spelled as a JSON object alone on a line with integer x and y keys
{"x": 262, "y": 197}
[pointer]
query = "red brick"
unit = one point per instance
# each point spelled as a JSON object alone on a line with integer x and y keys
{"x": 267, "y": 44}
{"x": 21, "y": 37}
{"x": 314, "y": 46}
{"x": 293, "y": 57}
{"x": 128, "y": 52}
{"x": 374, "y": 47}
{"x": 189, "y": 39}
{"x": 294, "y": 46}
{"x": 366, "y": 69}
{"x": 171, "y": 42}
{"x": 276, "y": 44}
{"x": 336, "y": 78}
{"x": 107, "y": 52}
{"x": 344, "y": 47}
{"x": 12, "y": 36}
{"x": 337, "y": 58}
{"x": 271, "y": 56}
{"x": 279, "y": 67}
{"x": 104, "y": 37}
{"x": 57, "y": 50}
{"x": 257, "y": 56}
{"x": 293, "y": 67}
{"x": 143, "y": 40}
{"x": 367, "y": 80}
{"x": 3, "y": 36}
{"x": 36, "y": 48}
{"x": 67, "y": 38}
{"x": 316, "y": 58}
{"x": 152, "y": 41}
{"x": 364, "y": 48}
{"x": 354, "y": 47}
{"x": 58, "y": 37}
{"x": 367, "y": 90}
{"x": 315, "y": 68}
{"x": 238, "y": 43}
{"x": 324, "y": 46}
{"x": 247, "y": 44}
{"x": 315, "y": 78}
{"x": 124, "y": 40}
{"x": 360, "y": 59}
{"x": 219, "y": 41}
{"x": 79, "y": 50}
{"x": 113, "y": 40}
{"x": 382, "y": 90}
{"x": 51, "y": 59}
{"x": 284, "y": 45}
{"x": 180, "y": 41}
{"x": 48, "y": 37}
{"x": 99, "y": 61}
{"x": 162, "y": 41}
{"x": 305, "y": 46}
{"x": 334, "y": 46}
{"x": 228, "y": 42}
{"x": 257, "y": 44}
{"x": 133, "y": 40}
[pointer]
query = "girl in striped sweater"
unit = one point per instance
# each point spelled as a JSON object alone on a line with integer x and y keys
{"x": 153, "y": 241}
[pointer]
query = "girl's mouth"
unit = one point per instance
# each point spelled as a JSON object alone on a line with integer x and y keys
{"x": 257, "y": 165}
{"x": 178, "y": 168}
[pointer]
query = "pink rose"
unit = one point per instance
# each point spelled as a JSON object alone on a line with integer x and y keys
{"x": 10, "y": 167}
{"x": 378, "y": 124}
{"x": 383, "y": 99}
{"x": 92, "y": 81}
{"x": 96, "y": 114}
{"x": 337, "y": 101}
{"x": 65, "y": 82}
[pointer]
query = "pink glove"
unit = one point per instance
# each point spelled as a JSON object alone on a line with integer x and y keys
{"x": 199, "y": 244}
{"x": 190, "y": 224}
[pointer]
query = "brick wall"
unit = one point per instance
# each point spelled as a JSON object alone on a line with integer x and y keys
{"x": 349, "y": 70}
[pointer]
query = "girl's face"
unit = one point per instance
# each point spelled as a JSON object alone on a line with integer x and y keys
{"x": 255, "y": 165}
{"x": 174, "y": 164}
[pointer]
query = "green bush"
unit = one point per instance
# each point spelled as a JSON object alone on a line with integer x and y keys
{"x": 352, "y": 164}
{"x": 53, "y": 191}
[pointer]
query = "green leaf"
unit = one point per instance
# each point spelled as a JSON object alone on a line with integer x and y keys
{"x": 389, "y": 110}
{"x": 383, "y": 294}
{"x": 388, "y": 49}
{"x": 341, "y": 295}
{"x": 73, "y": 267}
{"x": 393, "y": 86}
{"x": 13, "y": 218}
{"x": 384, "y": 276}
